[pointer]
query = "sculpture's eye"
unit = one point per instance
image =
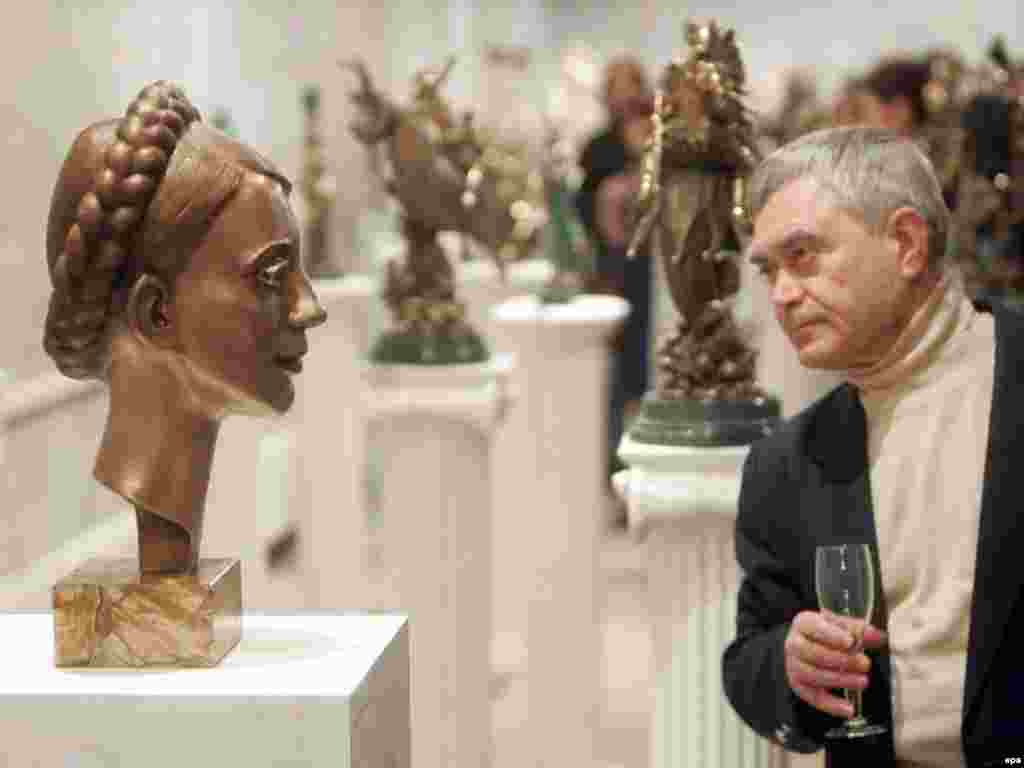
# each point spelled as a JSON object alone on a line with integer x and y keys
{"x": 273, "y": 275}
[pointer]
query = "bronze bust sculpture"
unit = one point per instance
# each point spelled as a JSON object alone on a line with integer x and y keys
{"x": 174, "y": 257}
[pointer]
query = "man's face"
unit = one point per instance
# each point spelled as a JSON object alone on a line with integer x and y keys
{"x": 836, "y": 288}
{"x": 243, "y": 304}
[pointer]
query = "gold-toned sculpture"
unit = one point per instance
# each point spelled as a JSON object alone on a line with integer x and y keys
{"x": 174, "y": 257}
{"x": 692, "y": 201}
{"x": 446, "y": 178}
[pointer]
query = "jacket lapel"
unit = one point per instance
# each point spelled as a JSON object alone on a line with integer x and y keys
{"x": 998, "y": 576}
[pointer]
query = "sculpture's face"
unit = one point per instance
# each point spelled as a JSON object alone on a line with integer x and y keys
{"x": 243, "y": 304}
{"x": 836, "y": 287}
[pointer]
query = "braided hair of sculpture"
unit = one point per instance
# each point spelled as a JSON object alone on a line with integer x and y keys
{"x": 93, "y": 264}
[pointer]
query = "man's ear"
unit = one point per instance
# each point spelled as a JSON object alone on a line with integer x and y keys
{"x": 908, "y": 231}
{"x": 149, "y": 312}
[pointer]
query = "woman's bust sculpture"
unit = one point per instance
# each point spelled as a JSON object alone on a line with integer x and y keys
{"x": 174, "y": 257}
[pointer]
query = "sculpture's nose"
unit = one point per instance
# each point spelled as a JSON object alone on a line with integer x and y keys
{"x": 304, "y": 310}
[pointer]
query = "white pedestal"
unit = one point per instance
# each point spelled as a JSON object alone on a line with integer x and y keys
{"x": 548, "y": 501}
{"x": 529, "y": 276}
{"x": 684, "y": 500}
{"x": 482, "y": 287}
{"x": 430, "y": 432}
{"x": 480, "y": 284}
{"x": 329, "y": 415}
{"x": 312, "y": 690}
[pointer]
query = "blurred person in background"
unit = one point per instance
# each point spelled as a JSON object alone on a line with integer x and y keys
{"x": 894, "y": 92}
{"x": 610, "y": 163}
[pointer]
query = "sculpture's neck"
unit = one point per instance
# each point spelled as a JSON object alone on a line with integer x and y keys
{"x": 157, "y": 452}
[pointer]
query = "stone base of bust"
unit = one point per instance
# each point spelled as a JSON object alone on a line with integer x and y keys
{"x": 107, "y": 614}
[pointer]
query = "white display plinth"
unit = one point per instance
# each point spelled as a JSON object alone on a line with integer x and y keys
{"x": 480, "y": 285}
{"x": 529, "y": 276}
{"x": 307, "y": 690}
{"x": 430, "y": 430}
{"x": 328, "y": 418}
{"x": 685, "y": 501}
{"x": 548, "y": 501}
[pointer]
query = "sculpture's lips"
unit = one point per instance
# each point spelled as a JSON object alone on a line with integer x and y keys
{"x": 291, "y": 363}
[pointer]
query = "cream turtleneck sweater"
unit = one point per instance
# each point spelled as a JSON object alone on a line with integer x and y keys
{"x": 928, "y": 403}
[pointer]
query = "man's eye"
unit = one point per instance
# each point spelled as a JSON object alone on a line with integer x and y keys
{"x": 800, "y": 254}
{"x": 274, "y": 274}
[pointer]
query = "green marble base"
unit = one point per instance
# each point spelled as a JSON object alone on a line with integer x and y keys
{"x": 410, "y": 347}
{"x": 704, "y": 423}
{"x": 107, "y": 614}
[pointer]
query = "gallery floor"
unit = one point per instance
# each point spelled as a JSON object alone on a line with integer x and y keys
{"x": 622, "y": 741}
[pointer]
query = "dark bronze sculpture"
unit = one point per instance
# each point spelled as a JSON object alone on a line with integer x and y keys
{"x": 440, "y": 171}
{"x": 692, "y": 202}
{"x": 173, "y": 253}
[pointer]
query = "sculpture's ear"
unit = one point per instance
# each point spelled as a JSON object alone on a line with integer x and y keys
{"x": 149, "y": 312}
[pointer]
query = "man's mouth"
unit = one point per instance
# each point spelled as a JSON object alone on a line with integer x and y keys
{"x": 291, "y": 363}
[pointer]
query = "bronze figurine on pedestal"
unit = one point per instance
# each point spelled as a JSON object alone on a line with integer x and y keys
{"x": 173, "y": 253}
{"x": 692, "y": 201}
{"x": 438, "y": 172}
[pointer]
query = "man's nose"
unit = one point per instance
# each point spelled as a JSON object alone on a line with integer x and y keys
{"x": 304, "y": 308}
{"x": 786, "y": 289}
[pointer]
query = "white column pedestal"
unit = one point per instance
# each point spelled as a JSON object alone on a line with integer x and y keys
{"x": 430, "y": 430}
{"x": 479, "y": 283}
{"x": 549, "y": 497}
{"x": 309, "y": 690}
{"x": 685, "y": 501}
{"x": 329, "y": 415}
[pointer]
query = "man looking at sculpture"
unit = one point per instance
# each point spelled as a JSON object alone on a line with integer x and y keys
{"x": 912, "y": 455}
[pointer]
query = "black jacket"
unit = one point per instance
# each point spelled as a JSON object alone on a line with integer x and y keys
{"x": 807, "y": 485}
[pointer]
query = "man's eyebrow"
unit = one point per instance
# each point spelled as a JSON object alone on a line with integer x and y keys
{"x": 759, "y": 254}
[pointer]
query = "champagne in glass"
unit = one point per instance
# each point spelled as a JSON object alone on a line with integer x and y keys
{"x": 844, "y": 577}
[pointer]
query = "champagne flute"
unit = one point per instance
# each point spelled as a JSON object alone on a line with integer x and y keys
{"x": 844, "y": 577}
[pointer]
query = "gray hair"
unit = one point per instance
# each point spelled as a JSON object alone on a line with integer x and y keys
{"x": 868, "y": 172}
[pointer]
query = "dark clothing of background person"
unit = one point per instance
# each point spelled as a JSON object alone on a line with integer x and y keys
{"x": 987, "y": 123}
{"x": 606, "y": 155}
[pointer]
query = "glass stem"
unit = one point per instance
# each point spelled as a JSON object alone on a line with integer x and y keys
{"x": 855, "y": 697}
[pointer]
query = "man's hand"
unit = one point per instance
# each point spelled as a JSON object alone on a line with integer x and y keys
{"x": 824, "y": 651}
